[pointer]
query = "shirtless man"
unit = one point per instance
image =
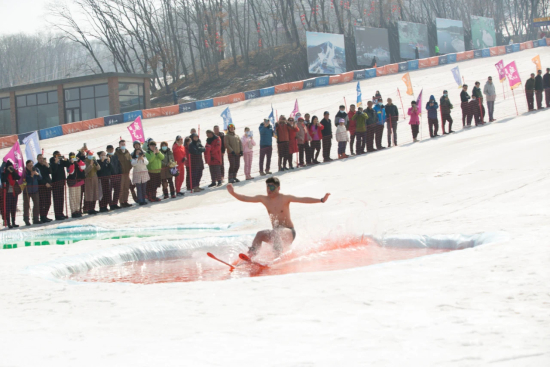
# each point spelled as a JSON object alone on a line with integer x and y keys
{"x": 277, "y": 206}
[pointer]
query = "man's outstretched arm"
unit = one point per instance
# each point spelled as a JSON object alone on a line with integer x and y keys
{"x": 294, "y": 199}
{"x": 246, "y": 199}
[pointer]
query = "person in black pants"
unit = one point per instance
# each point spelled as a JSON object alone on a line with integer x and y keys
{"x": 371, "y": 127}
{"x": 539, "y": 89}
{"x": 392, "y": 116}
{"x": 446, "y": 107}
{"x": 44, "y": 188}
{"x": 221, "y": 135}
{"x": 327, "y": 136}
{"x": 529, "y": 92}
{"x": 464, "y": 98}
{"x": 546, "y": 85}
{"x": 58, "y": 164}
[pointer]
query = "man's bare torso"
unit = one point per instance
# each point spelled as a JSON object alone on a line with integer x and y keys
{"x": 279, "y": 211}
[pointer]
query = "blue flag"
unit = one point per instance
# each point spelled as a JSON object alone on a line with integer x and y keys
{"x": 456, "y": 74}
{"x": 272, "y": 117}
{"x": 359, "y": 95}
{"x": 32, "y": 146}
{"x": 226, "y": 116}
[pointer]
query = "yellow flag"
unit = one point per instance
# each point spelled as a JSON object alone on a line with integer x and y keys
{"x": 407, "y": 80}
{"x": 536, "y": 61}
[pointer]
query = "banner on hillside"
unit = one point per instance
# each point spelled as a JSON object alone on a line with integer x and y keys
{"x": 536, "y": 61}
{"x": 272, "y": 117}
{"x": 411, "y": 36}
{"x": 136, "y": 130}
{"x": 359, "y": 96}
{"x": 372, "y": 46}
{"x": 513, "y": 75}
{"x": 456, "y": 75}
{"x": 227, "y": 119}
{"x": 483, "y": 32}
{"x": 296, "y": 111}
{"x": 419, "y": 102}
{"x": 326, "y": 53}
{"x": 32, "y": 146}
{"x": 500, "y": 68}
{"x": 407, "y": 80}
{"x": 450, "y": 36}
{"x": 16, "y": 157}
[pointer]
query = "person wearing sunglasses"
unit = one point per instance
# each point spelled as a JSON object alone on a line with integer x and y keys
{"x": 278, "y": 206}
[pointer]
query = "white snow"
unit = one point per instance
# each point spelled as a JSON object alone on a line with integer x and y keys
{"x": 488, "y": 305}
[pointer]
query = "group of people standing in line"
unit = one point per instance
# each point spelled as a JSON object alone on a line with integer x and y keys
{"x": 534, "y": 88}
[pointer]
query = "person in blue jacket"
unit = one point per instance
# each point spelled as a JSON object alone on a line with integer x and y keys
{"x": 432, "y": 108}
{"x": 380, "y": 111}
{"x": 266, "y": 146}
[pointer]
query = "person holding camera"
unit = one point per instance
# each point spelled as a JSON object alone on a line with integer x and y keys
{"x": 433, "y": 121}
{"x": 58, "y": 164}
{"x": 180, "y": 155}
{"x": 91, "y": 189}
{"x": 30, "y": 192}
{"x": 168, "y": 163}
{"x": 248, "y": 144}
{"x": 141, "y": 173}
{"x": 234, "y": 153}
{"x": 316, "y": 133}
{"x": 10, "y": 176}
{"x": 327, "y": 136}
{"x": 75, "y": 181}
{"x": 104, "y": 177}
{"x": 44, "y": 187}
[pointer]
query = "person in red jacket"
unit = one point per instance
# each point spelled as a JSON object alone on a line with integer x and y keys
{"x": 180, "y": 156}
{"x": 292, "y": 142}
{"x": 213, "y": 157}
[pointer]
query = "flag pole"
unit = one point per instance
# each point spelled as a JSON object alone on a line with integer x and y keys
{"x": 403, "y": 108}
{"x": 517, "y": 114}
{"x": 346, "y": 103}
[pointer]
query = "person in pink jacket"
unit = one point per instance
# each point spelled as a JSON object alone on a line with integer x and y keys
{"x": 415, "y": 120}
{"x": 248, "y": 151}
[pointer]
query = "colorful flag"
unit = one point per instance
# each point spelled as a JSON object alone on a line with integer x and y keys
{"x": 456, "y": 74}
{"x": 536, "y": 61}
{"x": 32, "y": 146}
{"x": 419, "y": 102}
{"x": 227, "y": 119}
{"x": 500, "y": 68}
{"x": 16, "y": 157}
{"x": 296, "y": 111}
{"x": 512, "y": 74}
{"x": 136, "y": 130}
{"x": 359, "y": 95}
{"x": 272, "y": 117}
{"x": 407, "y": 79}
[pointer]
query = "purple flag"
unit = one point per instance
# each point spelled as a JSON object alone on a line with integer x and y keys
{"x": 136, "y": 130}
{"x": 296, "y": 111}
{"x": 15, "y": 156}
{"x": 419, "y": 101}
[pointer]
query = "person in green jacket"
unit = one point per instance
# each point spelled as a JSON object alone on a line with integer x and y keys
{"x": 360, "y": 119}
{"x": 436, "y": 50}
{"x": 155, "y": 157}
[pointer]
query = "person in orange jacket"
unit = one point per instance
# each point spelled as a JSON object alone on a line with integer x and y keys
{"x": 180, "y": 156}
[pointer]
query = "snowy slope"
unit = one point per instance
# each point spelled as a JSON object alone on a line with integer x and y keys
{"x": 483, "y": 306}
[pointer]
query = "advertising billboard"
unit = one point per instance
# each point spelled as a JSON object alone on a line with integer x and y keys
{"x": 372, "y": 46}
{"x": 450, "y": 36}
{"x": 483, "y": 32}
{"x": 326, "y": 53}
{"x": 411, "y": 37}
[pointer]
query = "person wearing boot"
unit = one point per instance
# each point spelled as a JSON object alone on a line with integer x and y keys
{"x": 196, "y": 151}
{"x": 10, "y": 176}
{"x": 446, "y": 107}
{"x": 91, "y": 189}
{"x": 342, "y": 138}
{"x": 392, "y": 116}
{"x": 433, "y": 122}
{"x": 213, "y": 157}
{"x": 30, "y": 192}
{"x": 166, "y": 176}
{"x": 104, "y": 178}
{"x": 75, "y": 181}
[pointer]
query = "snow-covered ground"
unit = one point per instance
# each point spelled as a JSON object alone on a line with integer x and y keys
{"x": 488, "y": 305}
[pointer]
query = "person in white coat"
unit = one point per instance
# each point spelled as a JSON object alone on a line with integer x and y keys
{"x": 141, "y": 174}
{"x": 490, "y": 96}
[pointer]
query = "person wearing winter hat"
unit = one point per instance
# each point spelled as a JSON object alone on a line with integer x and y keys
{"x": 327, "y": 136}
{"x": 248, "y": 143}
{"x": 490, "y": 97}
{"x": 58, "y": 163}
{"x": 154, "y": 157}
{"x": 140, "y": 173}
{"x": 342, "y": 138}
{"x": 197, "y": 165}
{"x": 303, "y": 138}
{"x": 166, "y": 175}
{"x": 380, "y": 111}
{"x": 414, "y": 120}
{"x": 75, "y": 181}
{"x": 433, "y": 122}
{"x": 234, "y": 148}
{"x": 91, "y": 188}
{"x": 180, "y": 156}
{"x": 213, "y": 157}
{"x": 125, "y": 161}
{"x": 446, "y": 107}
{"x": 341, "y": 114}
{"x": 104, "y": 177}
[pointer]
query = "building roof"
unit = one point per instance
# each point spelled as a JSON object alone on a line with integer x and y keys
{"x": 73, "y": 80}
